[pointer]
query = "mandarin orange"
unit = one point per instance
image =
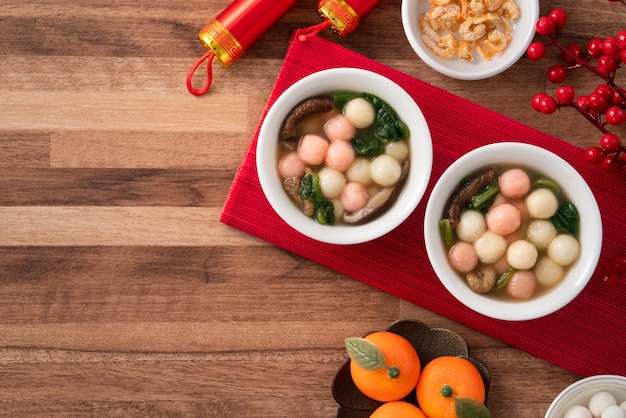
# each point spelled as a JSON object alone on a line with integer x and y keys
{"x": 442, "y": 380}
{"x": 399, "y": 376}
{"x": 397, "y": 409}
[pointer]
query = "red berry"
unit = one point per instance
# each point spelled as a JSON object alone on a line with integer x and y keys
{"x": 618, "y": 264}
{"x": 559, "y": 17}
{"x": 545, "y": 26}
{"x": 607, "y": 64}
{"x": 574, "y": 52}
{"x": 598, "y": 102}
{"x": 565, "y": 95}
{"x": 544, "y": 103}
{"x": 583, "y": 102}
{"x": 615, "y": 115}
{"x": 610, "y": 142}
{"x": 594, "y": 47}
{"x": 607, "y": 91}
{"x": 611, "y": 164}
{"x": 622, "y": 55}
{"x": 621, "y": 39}
{"x": 619, "y": 100}
{"x": 594, "y": 155}
{"x": 557, "y": 73}
{"x": 610, "y": 46}
{"x": 536, "y": 51}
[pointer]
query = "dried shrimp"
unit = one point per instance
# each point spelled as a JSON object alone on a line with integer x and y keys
{"x": 456, "y": 27}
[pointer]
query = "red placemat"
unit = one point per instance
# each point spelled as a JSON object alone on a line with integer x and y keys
{"x": 587, "y": 337}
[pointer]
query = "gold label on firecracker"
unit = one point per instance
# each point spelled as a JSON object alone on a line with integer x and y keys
{"x": 342, "y": 17}
{"x": 216, "y": 37}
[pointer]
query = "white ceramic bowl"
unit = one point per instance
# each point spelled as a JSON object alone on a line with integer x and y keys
{"x": 573, "y": 185}
{"x": 326, "y": 82}
{"x": 580, "y": 392}
{"x": 522, "y": 35}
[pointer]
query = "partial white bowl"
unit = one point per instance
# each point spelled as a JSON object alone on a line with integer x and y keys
{"x": 522, "y": 35}
{"x": 573, "y": 185}
{"x": 580, "y": 392}
{"x": 325, "y": 83}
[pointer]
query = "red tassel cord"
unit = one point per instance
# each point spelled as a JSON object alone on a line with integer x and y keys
{"x": 208, "y": 57}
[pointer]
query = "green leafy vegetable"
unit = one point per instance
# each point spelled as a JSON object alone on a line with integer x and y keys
{"x": 504, "y": 279}
{"x": 387, "y": 125}
{"x": 368, "y": 145}
{"x": 446, "y": 232}
{"x": 546, "y": 184}
{"x": 310, "y": 189}
{"x": 483, "y": 200}
{"x": 343, "y": 97}
{"x": 566, "y": 219}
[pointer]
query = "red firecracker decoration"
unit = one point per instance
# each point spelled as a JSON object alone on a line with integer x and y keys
{"x": 233, "y": 31}
{"x": 342, "y": 16}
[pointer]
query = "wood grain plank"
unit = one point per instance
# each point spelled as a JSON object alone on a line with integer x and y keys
{"x": 149, "y": 112}
{"x": 24, "y": 149}
{"x": 139, "y": 149}
{"x": 102, "y": 285}
{"x": 62, "y": 225}
{"x": 114, "y": 187}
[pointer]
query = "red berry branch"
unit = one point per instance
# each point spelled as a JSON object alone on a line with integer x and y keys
{"x": 605, "y": 107}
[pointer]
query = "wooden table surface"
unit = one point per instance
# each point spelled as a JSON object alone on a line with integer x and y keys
{"x": 121, "y": 293}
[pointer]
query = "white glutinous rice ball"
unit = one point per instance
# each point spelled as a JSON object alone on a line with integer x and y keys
{"x": 614, "y": 411}
{"x": 490, "y": 247}
{"x": 360, "y": 171}
{"x": 521, "y": 255}
{"x": 599, "y": 402}
{"x": 577, "y": 411}
{"x": 385, "y": 170}
{"x": 542, "y": 203}
{"x": 332, "y": 182}
{"x": 564, "y": 249}
{"x": 548, "y": 272}
{"x": 541, "y": 233}
{"x": 471, "y": 226}
{"x": 360, "y": 112}
{"x": 398, "y": 150}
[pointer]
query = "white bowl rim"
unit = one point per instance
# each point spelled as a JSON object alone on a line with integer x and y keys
{"x": 580, "y": 274}
{"x": 573, "y": 389}
{"x": 347, "y": 78}
{"x": 479, "y": 68}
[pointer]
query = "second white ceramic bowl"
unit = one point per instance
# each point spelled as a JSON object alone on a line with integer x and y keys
{"x": 573, "y": 185}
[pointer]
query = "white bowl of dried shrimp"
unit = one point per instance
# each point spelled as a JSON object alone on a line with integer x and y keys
{"x": 470, "y": 39}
